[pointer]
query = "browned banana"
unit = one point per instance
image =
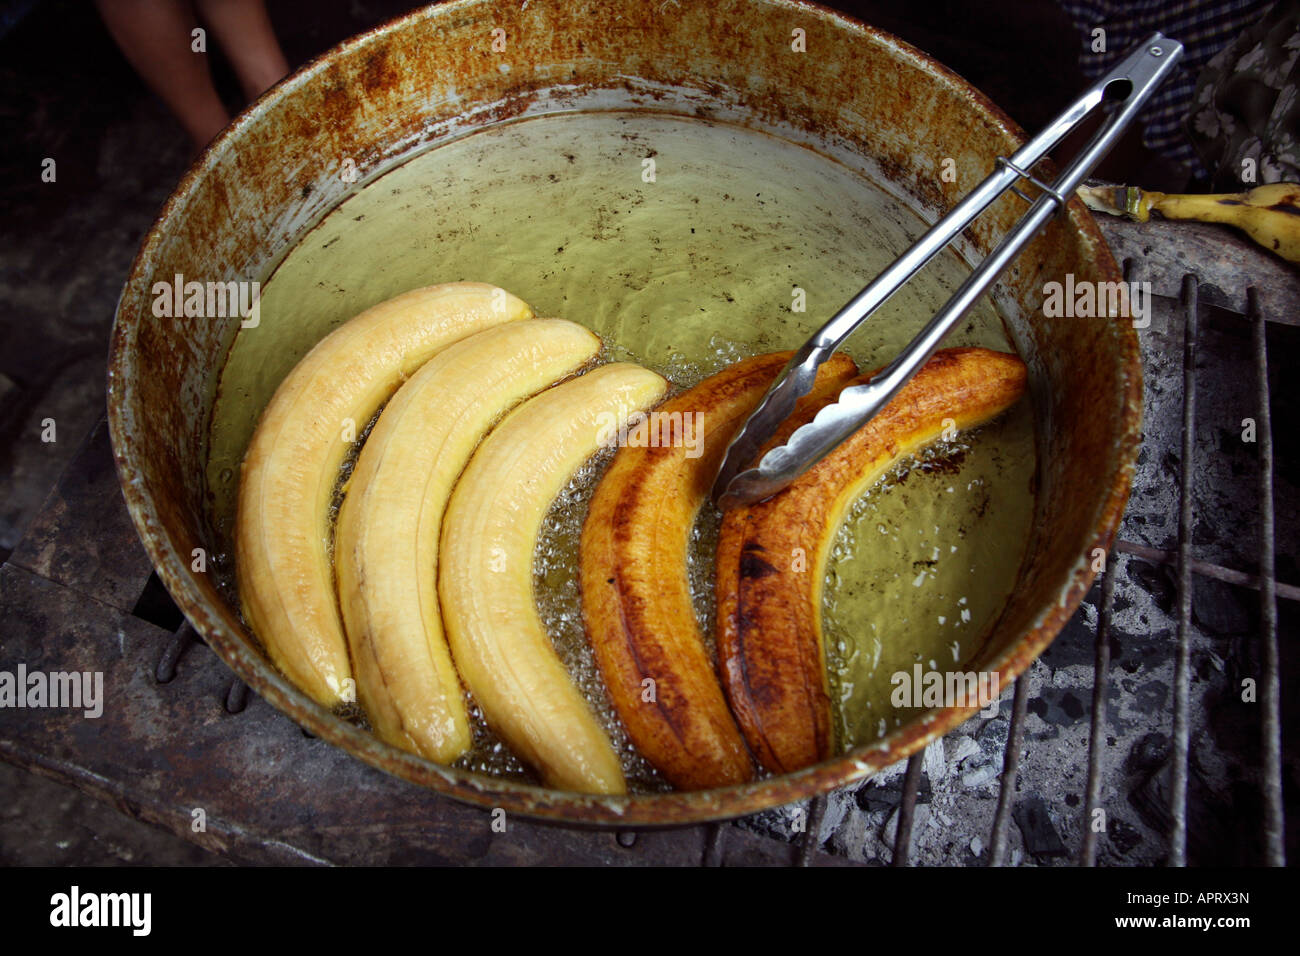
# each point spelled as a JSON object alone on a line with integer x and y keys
{"x": 636, "y": 597}
{"x": 772, "y": 555}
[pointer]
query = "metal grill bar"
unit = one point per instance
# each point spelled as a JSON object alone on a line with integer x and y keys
{"x": 1178, "y": 769}
{"x": 185, "y": 635}
{"x": 1270, "y": 690}
{"x": 810, "y": 842}
{"x": 714, "y": 843}
{"x": 1207, "y": 569}
{"x": 907, "y": 809}
{"x": 1010, "y": 768}
{"x": 1100, "y": 682}
{"x": 236, "y": 696}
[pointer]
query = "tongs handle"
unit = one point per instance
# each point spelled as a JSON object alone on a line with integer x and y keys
{"x": 1143, "y": 70}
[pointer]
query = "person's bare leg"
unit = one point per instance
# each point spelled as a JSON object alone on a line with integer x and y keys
{"x": 244, "y": 31}
{"x": 155, "y": 36}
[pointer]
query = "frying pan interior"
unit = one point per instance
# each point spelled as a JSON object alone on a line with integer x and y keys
{"x": 794, "y": 69}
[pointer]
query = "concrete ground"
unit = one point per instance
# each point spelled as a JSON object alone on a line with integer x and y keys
{"x": 66, "y": 93}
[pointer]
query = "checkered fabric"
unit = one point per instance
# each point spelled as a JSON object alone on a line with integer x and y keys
{"x": 1204, "y": 27}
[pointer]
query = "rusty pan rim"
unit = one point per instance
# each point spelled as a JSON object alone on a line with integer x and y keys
{"x": 640, "y": 810}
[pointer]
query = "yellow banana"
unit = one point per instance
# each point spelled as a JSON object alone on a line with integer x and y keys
{"x": 636, "y": 597}
{"x": 386, "y": 541}
{"x": 772, "y": 555}
{"x": 282, "y": 527}
{"x": 1270, "y": 214}
{"x": 485, "y": 575}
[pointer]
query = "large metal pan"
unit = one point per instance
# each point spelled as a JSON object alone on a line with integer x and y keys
{"x": 427, "y": 77}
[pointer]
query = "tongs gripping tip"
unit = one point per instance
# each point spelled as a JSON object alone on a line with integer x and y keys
{"x": 1141, "y": 71}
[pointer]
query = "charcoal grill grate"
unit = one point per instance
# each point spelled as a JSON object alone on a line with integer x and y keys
{"x": 1187, "y": 565}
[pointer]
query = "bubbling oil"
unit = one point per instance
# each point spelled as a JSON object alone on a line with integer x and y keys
{"x": 740, "y": 243}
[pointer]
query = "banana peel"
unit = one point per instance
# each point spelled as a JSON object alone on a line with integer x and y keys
{"x": 1269, "y": 214}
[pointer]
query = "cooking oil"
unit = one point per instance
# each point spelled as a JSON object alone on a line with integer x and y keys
{"x": 686, "y": 244}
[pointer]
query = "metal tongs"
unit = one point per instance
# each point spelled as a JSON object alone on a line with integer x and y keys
{"x": 1126, "y": 88}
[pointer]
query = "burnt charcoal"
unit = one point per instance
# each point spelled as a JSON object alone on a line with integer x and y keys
{"x": 1057, "y": 706}
{"x": 1210, "y": 819}
{"x": 1072, "y": 646}
{"x": 1147, "y": 754}
{"x": 1037, "y": 829}
{"x": 1151, "y": 697}
{"x": 1151, "y": 800}
{"x": 1156, "y": 580}
{"x": 1123, "y": 835}
{"x": 1219, "y": 608}
{"x": 1243, "y": 658}
{"x": 994, "y": 733}
{"x": 1206, "y": 531}
{"x": 889, "y": 795}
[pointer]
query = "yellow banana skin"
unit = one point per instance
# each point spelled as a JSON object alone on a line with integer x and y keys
{"x": 386, "y": 541}
{"x": 636, "y": 597}
{"x": 772, "y": 555}
{"x": 1269, "y": 214}
{"x": 282, "y": 525}
{"x": 485, "y": 577}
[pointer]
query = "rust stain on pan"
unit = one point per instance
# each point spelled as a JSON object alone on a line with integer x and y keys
{"x": 407, "y": 84}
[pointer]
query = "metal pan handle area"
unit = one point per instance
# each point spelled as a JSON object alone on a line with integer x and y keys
{"x": 1126, "y": 88}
